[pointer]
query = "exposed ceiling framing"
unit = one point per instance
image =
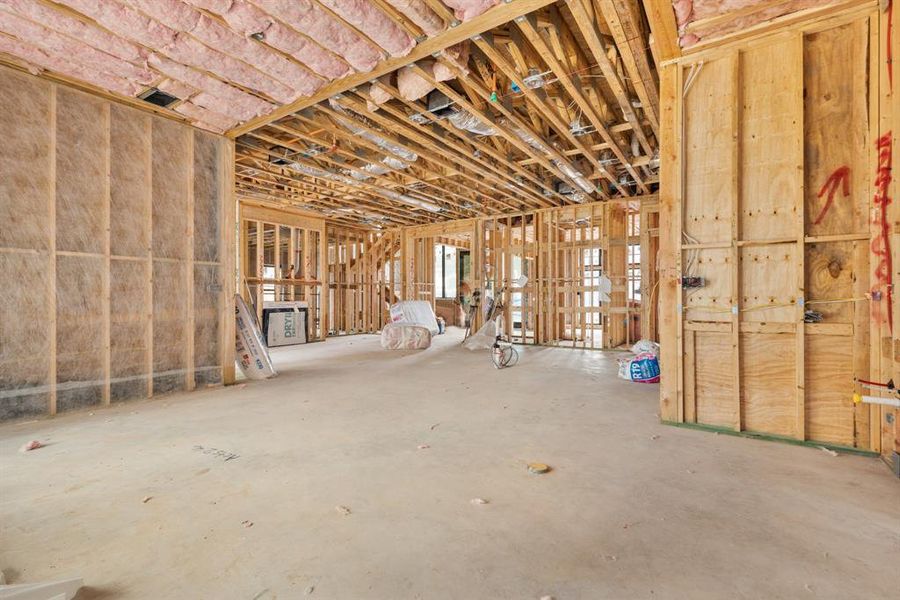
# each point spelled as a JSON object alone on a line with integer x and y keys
{"x": 379, "y": 113}
{"x": 556, "y": 106}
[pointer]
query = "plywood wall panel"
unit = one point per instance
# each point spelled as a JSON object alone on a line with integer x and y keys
{"x": 713, "y": 380}
{"x": 80, "y": 341}
{"x": 207, "y": 176}
{"x": 171, "y": 186}
{"x": 771, "y": 83}
{"x": 768, "y": 386}
{"x": 799, "y": 237}
{"x": 130, "y": 147}
{"x": 26, "y": 180}
{"x": 830, "y": 415}
{"x": 768, "y": 289}
{"x": 81, "y": 146}
{"x": 713, "y": 301}
{"x": 709, "y": 171}
{"x": 833, "y": 272}
{"x": 836, "y": 121}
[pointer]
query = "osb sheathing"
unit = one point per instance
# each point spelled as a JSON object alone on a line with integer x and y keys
{"x": 110, "y": 251}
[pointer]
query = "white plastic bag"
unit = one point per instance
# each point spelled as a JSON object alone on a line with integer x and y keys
{"x": 646, "y": 346}
{"x": 484, "y": 338}
{"x": 405, "y": 336}
{"x": 415, "y": 312}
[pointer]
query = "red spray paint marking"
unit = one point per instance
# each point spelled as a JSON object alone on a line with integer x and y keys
{"x": 881, "y": 244}
{"x": 840, "y": 178}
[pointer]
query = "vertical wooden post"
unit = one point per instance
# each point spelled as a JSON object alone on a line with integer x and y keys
{"x": 322, "y": 277}
{"x": 148, "y": 296}
{"x": 105, "y": 297}
{"x": 228, "y": 241}
{"x": 189, "y": 379}
{"x": 51, "y": 245}
{"x": 260, "y": 269}
{"x": 737, "y": 109}
{"x": 800, "y": 228}
{"x": 669, "y": 240}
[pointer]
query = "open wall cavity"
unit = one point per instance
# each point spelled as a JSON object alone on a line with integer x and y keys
{"x": 283, "y": 256}
{"x": 773, "y": 300}
{"x": 114, "y": 252}
{"x": 363, "y": 275}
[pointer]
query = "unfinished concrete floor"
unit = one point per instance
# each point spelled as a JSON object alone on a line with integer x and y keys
{"x": 632, "y": 509}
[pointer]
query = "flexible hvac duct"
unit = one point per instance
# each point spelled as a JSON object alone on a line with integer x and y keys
{"x": 349, "y": 181}
{"x": 576, "y": 176}
{"x": 466, "y": 121}
{"x": 348, "y": 121}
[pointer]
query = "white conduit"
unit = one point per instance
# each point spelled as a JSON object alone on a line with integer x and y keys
{"x": 895, "y": 402}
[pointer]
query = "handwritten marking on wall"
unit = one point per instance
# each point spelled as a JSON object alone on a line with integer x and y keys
{"x": 882, "y": 286}
{"x": 839, "y": 179}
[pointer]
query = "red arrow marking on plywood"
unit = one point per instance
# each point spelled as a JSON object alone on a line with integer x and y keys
{"x": 841, "y": 177}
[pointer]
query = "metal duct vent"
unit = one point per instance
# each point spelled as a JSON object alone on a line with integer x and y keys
{"x": 158, "y": 98}
{"x": 439, "y": 104}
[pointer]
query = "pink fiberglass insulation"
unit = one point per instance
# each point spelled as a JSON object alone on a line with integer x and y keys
{"x": 124, "y": 21}
{"x": 377, "y": 93}
{"x": 411, "y": 85}
{"x": 695, "y": 11}
{"x": 176, "y": 88}
{"x": 313, "y": 21}
{"x": 72, "y": 50}
{"x": 178, "y": 15}
{"x": 683, "y": 10}
{"x": 765, "y": 14}
{"x": 468, "y": 9}
{"x": 137, "y": 26}
{"x": 453, "y": 58}
{"x": 247, "y": 19}
{"x": 215, "y": 95}
{"x": 72, "y": 27}
{"x": 369, "y": 19}
{"x": 205, "y": 118}
{"x": 421, "y": 14}
{"x": 57, "y": 64}
{"x": 189, "y": 51}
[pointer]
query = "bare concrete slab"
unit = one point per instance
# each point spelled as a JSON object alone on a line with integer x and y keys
{"x": 237, "y": 492}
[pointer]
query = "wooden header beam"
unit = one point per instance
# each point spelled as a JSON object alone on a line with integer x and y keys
{"x": 503, "y": 13}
